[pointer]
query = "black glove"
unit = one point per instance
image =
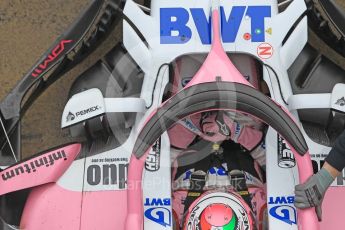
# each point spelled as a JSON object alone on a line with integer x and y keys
{"x": 312, "y": 192}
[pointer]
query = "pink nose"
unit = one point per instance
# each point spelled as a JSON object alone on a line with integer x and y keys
{"x": 218, "y": 215}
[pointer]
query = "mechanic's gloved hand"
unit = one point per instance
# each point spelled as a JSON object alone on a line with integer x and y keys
{"x": 311, "y": 193}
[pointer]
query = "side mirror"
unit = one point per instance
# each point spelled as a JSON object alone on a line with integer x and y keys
{"x": 91, "y": 103}
{"x": 83, "y": 106}
{"x": 338, "y": 98}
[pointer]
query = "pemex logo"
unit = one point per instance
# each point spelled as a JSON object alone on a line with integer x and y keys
{"x": 341, "y": 101}
{"x": 70, "y": 117}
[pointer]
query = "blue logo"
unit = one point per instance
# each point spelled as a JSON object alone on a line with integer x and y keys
{"x": 174, "y": 28}
{"x": 159, "y": 215}
{"x": 283, "y": 211}
{"x": 238, "y": 128}
{"x": 187, "y": 175}
{"x": 212, "y": 171}
{"x": 189, "y": 124}
{"x": 218, "y": 171}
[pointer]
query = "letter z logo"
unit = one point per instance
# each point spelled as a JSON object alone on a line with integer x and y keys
{"x": 265, "y": 50}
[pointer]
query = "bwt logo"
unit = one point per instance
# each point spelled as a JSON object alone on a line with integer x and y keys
{"x": 160, "y": 215}
{"x": 283, "y": 212}
{"x": 174, "y": 28}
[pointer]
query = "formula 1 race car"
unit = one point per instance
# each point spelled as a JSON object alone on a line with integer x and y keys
{"x": 205, "y": 116}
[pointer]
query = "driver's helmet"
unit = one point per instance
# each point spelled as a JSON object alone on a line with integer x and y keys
{"x": 219, "y": 211}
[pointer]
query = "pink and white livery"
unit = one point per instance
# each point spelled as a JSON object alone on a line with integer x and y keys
{"x": 199, "y": 119}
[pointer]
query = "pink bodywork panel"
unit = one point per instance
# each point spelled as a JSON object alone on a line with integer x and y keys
{"x": 53, "y": 207}
{"x": 42, "y": 169}
{"x": 333, "y": 209}
{"x": 106, "y": 210}
{"x": 217, "y": 63}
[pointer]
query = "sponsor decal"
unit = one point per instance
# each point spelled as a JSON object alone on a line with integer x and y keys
{"x": 33, "y": 166}
{"x": 341, "y": 101}
{"x": 188, "y": 174}
{"x": 152, "y": 163}
{"x": 284, "y": 213}
{"x": 238, "y": 130}
{"x": 217, "y": 171}
{"x": 86, "y": 111}
{"x": 263, "y": 144}
{"x": 188, "y": 124}
{"x": 247, "y": 36}
{"x": 108, "y": 172}
{"x": 157, "y": 202}
{"x": 269, "y": 31}
{"x": 174, "y": 24}
{"x": 265, "y": 50}
{"x": 70, "y": 117}
{"x": 158, "y": 213}
{"x": 50, "y": 58}
{"x": 283, "y": 209}
{"x": 286, "y": 159}
{"x": 245, "y": 219}
{"x": 194, "y": 218}
{"x": 223, "y": 128}
{"x": 281, "y": 200}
